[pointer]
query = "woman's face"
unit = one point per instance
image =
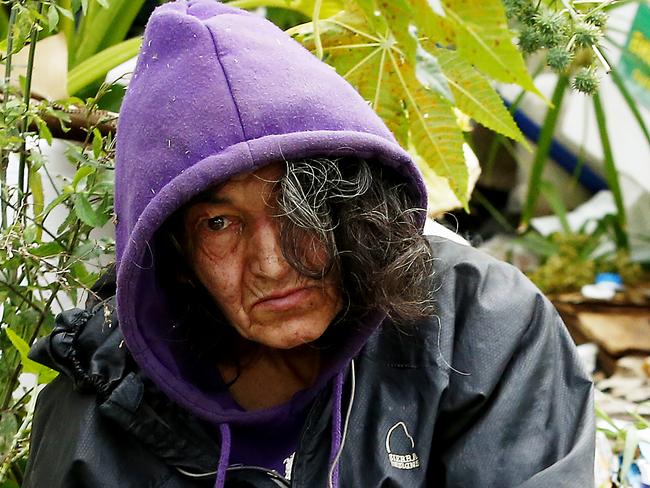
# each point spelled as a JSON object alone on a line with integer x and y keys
{"x": 233, "y": 245}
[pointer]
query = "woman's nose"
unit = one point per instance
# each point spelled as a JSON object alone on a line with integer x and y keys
{"x": 265, "y": 252}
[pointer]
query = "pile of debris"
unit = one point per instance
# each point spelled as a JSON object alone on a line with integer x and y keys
{"x": 614, "y": 343}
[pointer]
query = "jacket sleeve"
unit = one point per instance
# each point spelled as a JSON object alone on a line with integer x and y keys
{"x": 518, "y": 409}
{"x": 73, "y": 446}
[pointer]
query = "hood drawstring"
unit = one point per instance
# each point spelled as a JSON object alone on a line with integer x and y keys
{"x": 338, "y": 436}
{"x": 224, "y": 456}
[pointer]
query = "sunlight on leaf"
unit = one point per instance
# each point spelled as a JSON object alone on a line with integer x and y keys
{"x": 44, "y": 373}
{"x": 475, "y": 96}
{"x": 376, "y": 65}
{"x": 483, "y": 38}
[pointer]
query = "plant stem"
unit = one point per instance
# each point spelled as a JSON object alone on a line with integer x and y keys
{"x": 493, "y": 211}
{"x": 10, "y": 48}
{"x": 543, "y": 148}
{"x": 620, "y": 84}
{"x": 66, "y": 24}
{"x": 316, "y": 22}
{"x": 26, "y": 98}
{"x": 22, "y": 296}
{"x": 4, "y": 156}
{"x": 611, "y": 174}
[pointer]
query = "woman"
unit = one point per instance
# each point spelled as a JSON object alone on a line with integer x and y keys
{"x": 285, "y": 322}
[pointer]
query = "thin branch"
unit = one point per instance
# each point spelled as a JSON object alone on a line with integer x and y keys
{"x": 80, "y": 121}
{"x": 22, "y": 165}
{"x": 24, "y": 298}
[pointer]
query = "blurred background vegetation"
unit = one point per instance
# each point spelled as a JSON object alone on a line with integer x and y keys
{"x": 476, "y": 90}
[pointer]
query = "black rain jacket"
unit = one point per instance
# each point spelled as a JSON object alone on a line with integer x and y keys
{"x": 489, "y": 393}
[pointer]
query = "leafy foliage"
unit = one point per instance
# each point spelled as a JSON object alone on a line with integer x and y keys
{"x": 570, "y": 32}
{"x": 571, "y": 259}
{"x": 391, "y": 53}
{"x": 44, "y": 264}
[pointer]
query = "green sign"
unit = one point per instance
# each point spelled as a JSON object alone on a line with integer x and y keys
{"x": 635, "y": 59}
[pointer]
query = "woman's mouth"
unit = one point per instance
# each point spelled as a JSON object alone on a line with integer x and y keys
{"x": 282, "y": 300}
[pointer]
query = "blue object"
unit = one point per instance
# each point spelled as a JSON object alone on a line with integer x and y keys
{"x": 560, "y": 154}
{"x": 609, "y": 278}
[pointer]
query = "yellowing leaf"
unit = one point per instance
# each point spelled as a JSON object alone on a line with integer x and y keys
{"x": 432, "y": 26}
{"x": 305, "y": 7}
{"x": 36, "y": 189}
{"x": 44, "y": 373}
{"x": 434, "y": 132}
{"x": 381, "y": 65}
{"x": 483, "y": 38}
{"x": 475, "y": 96}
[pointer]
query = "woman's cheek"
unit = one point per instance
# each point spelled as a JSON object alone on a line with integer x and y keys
{"x": 215, "y": 246}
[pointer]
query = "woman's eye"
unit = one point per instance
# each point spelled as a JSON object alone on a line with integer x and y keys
{"x": 218, "y": 223}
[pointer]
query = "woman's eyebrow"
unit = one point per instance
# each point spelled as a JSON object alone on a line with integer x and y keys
{"x": 217, "y": 199}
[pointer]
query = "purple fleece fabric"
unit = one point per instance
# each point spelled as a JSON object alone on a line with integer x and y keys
{"x": 217, "y": 92}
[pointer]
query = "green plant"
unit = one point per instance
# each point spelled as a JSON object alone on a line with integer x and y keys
{"x": 571, "y": 259}
{"x": 573, "y": 44}
{"x": 625, "y": 441}
{"x": 418, "y": 68}
{"x": 95, "y": 33}
{"x": 43, "y": 264}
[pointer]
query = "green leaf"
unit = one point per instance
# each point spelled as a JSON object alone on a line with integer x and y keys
{"x": 97, "y": 142}
{"x": 483, "y": 38}
{"x": 104, "y": 27}
{"x": 81, "y": 274}
{"x": 435, "y": 134}
{"x": 8, "y": 430}
{"x": 45, "y": 374}
{"x": 543, "y": 148}
{"x": 376, "y": 64}
{"x": 30, "y": 233}
{"x": 9, "y": 483}
{"x": 96, "y": 67}
{"x": 393, "y": 19}
{"x": 38, "y": 200}
{"x": 44, "y": 131}
{"x": 66, "y": 13}
{"x": 82, "y": 173}
{"x": 46, "y": 250}
{"x": 55, "y": 203}
{"x": 86, "y": 213}
{"x": 52, "y": 17}
{"x": 554, "y": 199}
{"x": 431, "y": 26}
{"x": 611, "y": 174}
{"x": 475, "y": 96}
{"x": 104, "y": 3}
{"x": 305, "y": 7}
{"x": 429, "y": 72}
{"x": 122, "y": 23}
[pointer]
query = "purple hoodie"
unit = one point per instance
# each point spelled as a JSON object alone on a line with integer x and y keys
{"x": 217, "y": 92}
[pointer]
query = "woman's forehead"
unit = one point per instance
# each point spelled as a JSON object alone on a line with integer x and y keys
{"x": 249, "y": 183}
{"x": 271, "y": 172}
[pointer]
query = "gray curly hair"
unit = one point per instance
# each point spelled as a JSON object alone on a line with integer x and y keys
{"x": 366, "y": 220}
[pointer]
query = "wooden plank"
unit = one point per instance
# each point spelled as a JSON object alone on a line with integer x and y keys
{"x": 617, "y": 333}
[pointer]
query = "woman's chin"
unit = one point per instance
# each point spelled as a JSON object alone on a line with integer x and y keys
{"x": 287, "y": 339}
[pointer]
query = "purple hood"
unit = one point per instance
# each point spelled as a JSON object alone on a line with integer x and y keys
{"x": 216, "y": 92}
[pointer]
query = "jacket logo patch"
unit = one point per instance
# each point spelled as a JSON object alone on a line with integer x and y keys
{"x": 401, "y": 448}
